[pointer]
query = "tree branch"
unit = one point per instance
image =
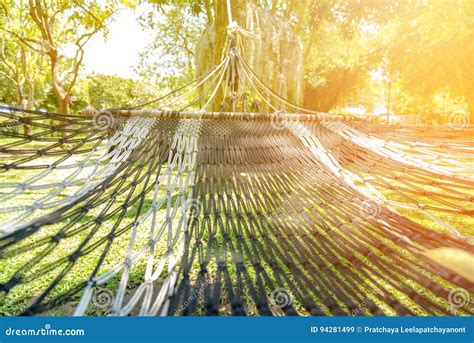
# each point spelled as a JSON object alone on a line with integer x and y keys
{"x": 4, "y": 59}
{"x": 8, "y": 76}
{"x": 207, "y": 6}
{"x": 21, "y": 39}
{"x": 39, "y": 18}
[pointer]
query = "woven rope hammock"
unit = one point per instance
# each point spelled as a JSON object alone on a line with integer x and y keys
{"x": 263, "y": 208}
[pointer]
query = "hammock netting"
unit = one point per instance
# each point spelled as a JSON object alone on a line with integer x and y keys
{"x": 264, "y": 208}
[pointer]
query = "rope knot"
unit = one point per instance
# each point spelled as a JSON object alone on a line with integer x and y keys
{"x": 233, "y": 29}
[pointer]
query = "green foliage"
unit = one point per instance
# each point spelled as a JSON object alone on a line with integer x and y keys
{"x": 432, "y": 46}
{"x": 337, "y": 65}
{"x": 21, "y": 68}
{"x": 196, "y": 7}
{"x": 108, "y": 91}
{"x": 57, "y": 31}
{"x": 168, "y": 60}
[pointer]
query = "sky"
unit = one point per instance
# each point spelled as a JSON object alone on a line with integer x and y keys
{"x": 118, "y": 54}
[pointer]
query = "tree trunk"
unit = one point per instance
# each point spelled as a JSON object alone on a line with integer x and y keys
{"x": 21, "y": 98}
{"x": 26, "y": 103}
{"x": 221, "y": 22}
{"x": 62, "y": 98}
{"x": 220, "y": 34}
{"x": 63, "y": 105}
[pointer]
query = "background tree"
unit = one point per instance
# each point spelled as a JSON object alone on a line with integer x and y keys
{"x": 109, "y": 91}
{"x": 432, "y": 46}
{"x": 169, "y": 59}
{"x": 208, "y": 45}
{"x": 63, "y": 28}
{"x": 21, "y": 67}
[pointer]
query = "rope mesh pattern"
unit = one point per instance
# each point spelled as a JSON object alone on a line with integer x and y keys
{"x": 212, "y": 216}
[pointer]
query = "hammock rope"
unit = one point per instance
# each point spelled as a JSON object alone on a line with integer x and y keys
{"x": 186, "y": 211}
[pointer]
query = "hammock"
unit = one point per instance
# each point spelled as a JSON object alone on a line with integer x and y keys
{"x": 262, "y": 208}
